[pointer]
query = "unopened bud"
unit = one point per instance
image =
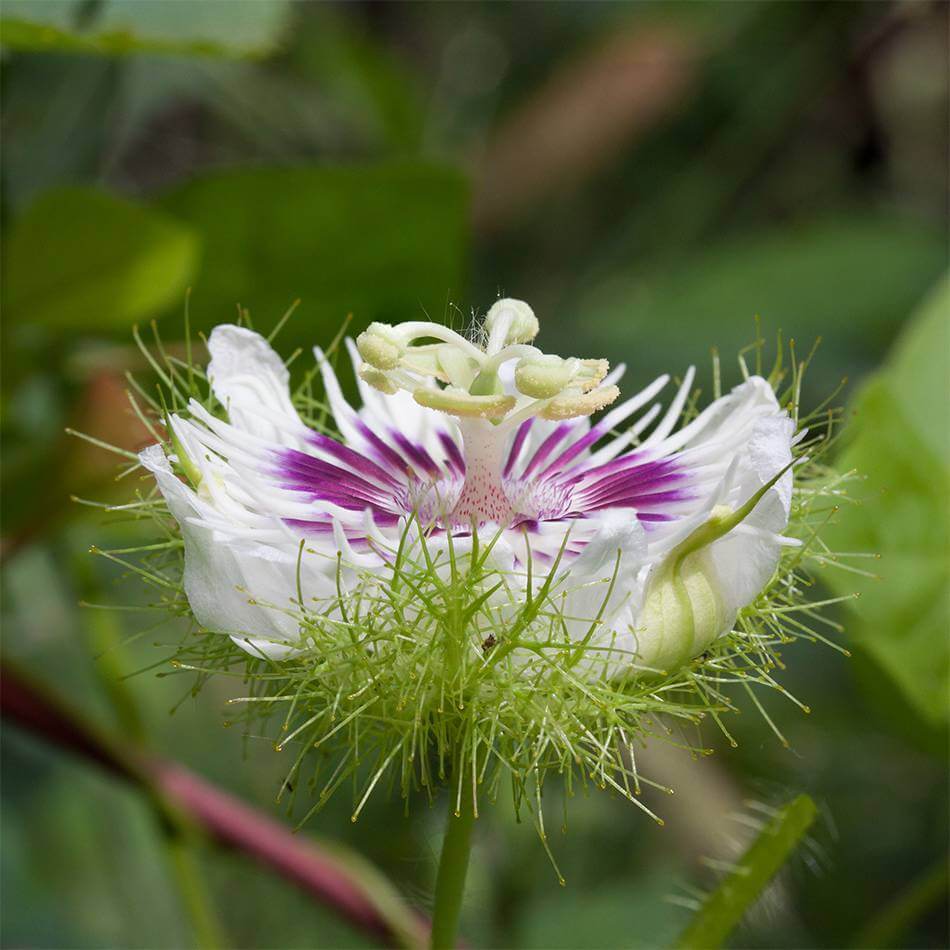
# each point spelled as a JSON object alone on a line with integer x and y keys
{"x": 683, "y": 610}
{"x": 682, "y": 613}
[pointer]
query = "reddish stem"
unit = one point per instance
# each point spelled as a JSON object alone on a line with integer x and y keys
{"x": 222, "y": 816}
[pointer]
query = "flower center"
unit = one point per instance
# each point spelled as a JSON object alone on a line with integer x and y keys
{"x": 471, "y": 381}
{"x": 461, "y": 378}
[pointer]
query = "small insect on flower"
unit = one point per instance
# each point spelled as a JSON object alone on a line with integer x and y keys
{"x": 467, "y": 575}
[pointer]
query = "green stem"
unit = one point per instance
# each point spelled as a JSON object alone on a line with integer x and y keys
{"x": 895, "y": 919}
{"x": 453, "y": 865}
{"x": 178, "y": 838}
{"x": 194, "y": 893}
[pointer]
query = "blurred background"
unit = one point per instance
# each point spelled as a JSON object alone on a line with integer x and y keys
{"x": 652, "y": 178}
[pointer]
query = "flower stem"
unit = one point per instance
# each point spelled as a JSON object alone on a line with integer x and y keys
{"x": 340, "y": 881}
{"x": 453, "y": 865}
{"x": 193, "y": 890}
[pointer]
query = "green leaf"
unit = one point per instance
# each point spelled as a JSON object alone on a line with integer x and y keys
{"x": 81, "y": 259}
{"x": 119, "y": 27}
{"x": 366, "y": 81}
{"x": 384, "y": 242}
{"x": 59, "y": 14}
{"x": 919, "y": 364}
{"x": 889, "y": 925}
{"x": 725, "y": 907}
{"x": 849, "y": 280}
{"x": 899, "y": 443}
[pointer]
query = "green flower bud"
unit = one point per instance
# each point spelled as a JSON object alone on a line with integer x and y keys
{"x": 683, "y": 612}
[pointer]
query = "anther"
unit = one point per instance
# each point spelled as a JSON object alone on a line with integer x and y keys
{"x": 571, "y": 405}
{"x": 379, "y": 344}
{"x": 378, "y": 379}
{"x": 458, "y": 402}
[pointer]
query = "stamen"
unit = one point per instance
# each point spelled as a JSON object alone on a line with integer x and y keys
{"x": 466, "y": 376}
{"x": 458, "y": 402}
{"x": 380, "y": 346}
{"x": 580, "y": 404}
{"x": 378, "y": 380}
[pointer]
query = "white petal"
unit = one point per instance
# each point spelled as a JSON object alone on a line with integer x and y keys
{"x": 740, "y": 443}
{"x": 383, "y": 414}
{"x": 606, "y": 581}
{"x": 727, "y": 420}
{"x": 744, "y": 562}
{"x": 250, "y": 380}
{"x": 238, "y": 585}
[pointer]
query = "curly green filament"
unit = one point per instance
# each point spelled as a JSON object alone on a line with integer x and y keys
{"x": 453, "y": 866}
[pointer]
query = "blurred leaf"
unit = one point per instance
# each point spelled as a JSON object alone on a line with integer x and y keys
{"x": 899, "y": 442}
{"x": 118, "y": 27}
{"x": 60, "y": 14}
{"x": 582, "y": 117}
{"x": 81, "y": 259}
{"x": 848, "y": 280}
{"x": 369, "y": 86}
{"x": 384, "y": 242}
{"x": 890, "y": 924}
{"x": 55, "y": 123}
{"x": 725, "y": 907}
{"x": 632, "y": 913}
{"x": 920, "y": 363}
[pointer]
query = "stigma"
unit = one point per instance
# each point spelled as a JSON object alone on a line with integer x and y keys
{"x": 445, "y": 371}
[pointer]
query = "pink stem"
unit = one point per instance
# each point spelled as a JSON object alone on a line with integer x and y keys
{"x": 222, "y": 816}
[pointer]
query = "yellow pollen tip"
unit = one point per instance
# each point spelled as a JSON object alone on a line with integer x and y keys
{"x": 378, "y": 380}
{"x": 572, "y": 405}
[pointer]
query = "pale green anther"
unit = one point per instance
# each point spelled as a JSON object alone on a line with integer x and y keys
{"x": 543, "y": 377}
{"x": 523, "y": 326}
{"x": 590, "y": 373}
{"x": 378, "y": 380}
{"x": 458, "y": 402}
{"x": 380, "y": 346}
